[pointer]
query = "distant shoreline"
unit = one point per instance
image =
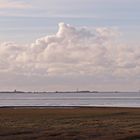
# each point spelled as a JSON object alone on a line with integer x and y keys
{"x": 67, "y": 92}
{"x": 64, "y": 107}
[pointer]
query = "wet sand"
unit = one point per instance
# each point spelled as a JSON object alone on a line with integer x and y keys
{"x": 69, "y": 123}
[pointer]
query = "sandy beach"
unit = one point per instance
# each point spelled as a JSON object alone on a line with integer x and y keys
{"x": 69, "y": 123}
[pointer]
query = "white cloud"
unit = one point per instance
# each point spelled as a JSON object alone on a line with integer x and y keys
{"x": 72, "y": 51}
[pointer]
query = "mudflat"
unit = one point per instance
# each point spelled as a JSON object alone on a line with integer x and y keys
{"x": 76, "y": 123}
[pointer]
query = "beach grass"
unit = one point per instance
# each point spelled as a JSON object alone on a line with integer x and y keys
{"x": 76, "y": 123}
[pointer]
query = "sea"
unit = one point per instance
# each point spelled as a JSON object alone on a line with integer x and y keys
{"x": 84, "y": 99}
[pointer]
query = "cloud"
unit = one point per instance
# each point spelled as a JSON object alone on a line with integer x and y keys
{"x": 8, "y": 4}
{"x": 73, "y": 51}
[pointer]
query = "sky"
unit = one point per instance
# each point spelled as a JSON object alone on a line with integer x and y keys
{"x": 64, "y": 45}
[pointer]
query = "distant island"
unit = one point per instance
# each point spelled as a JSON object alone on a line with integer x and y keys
{"x": 76, "y": 91}
{"x": 82, "y": 91}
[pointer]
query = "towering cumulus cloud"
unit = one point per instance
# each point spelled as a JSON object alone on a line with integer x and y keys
{"x": 72, "y": 51}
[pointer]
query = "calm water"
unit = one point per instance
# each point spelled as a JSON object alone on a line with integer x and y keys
{"x": 71, "y": 99}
